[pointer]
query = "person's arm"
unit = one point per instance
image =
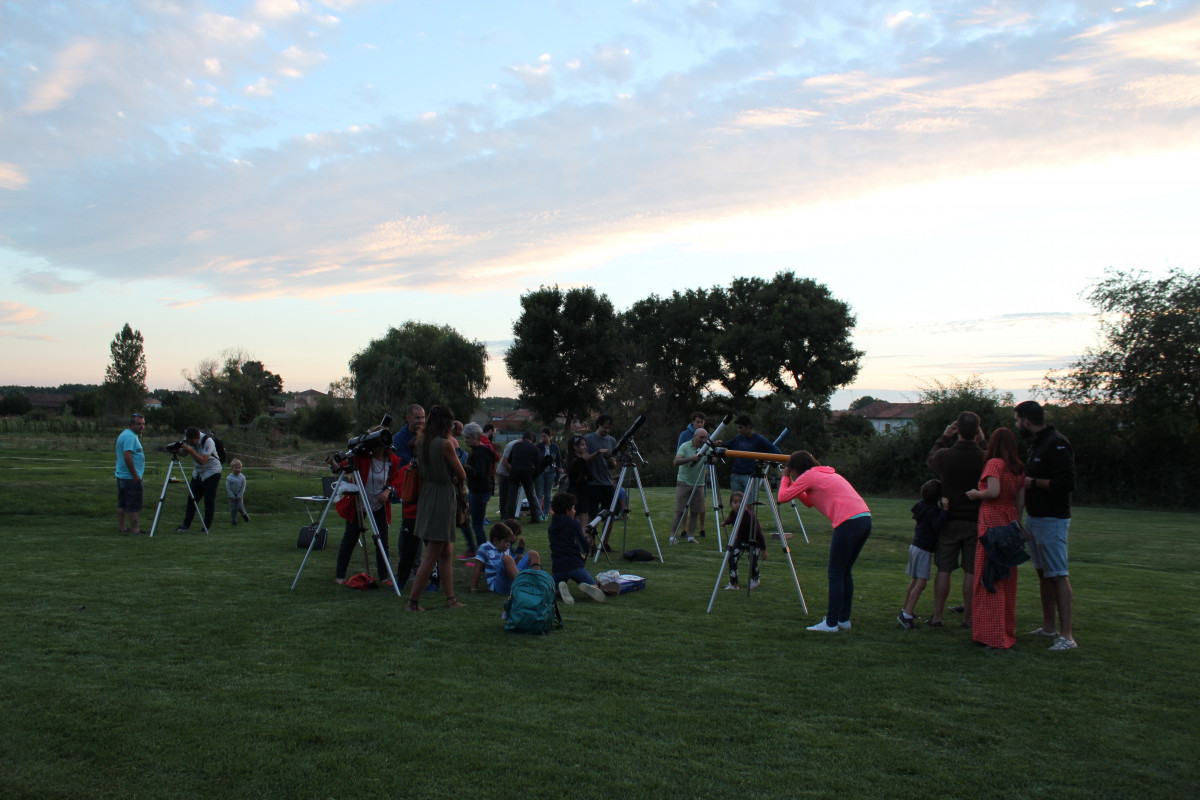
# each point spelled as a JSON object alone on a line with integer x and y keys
{"x": 510, "y": 566}
{"x": 790, "y": 490}
{"x": 990, "y": 493}
{"x": 200, "y": 457}
{"x": 129, "y": 465}
{"x": 1020, "y": 502}
{"x": 456, "y": 467}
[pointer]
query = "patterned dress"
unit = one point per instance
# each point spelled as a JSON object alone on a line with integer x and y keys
{"x": 994, "y": 615}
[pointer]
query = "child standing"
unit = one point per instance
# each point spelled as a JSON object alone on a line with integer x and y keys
{"x": 748, "y": 536}
{"x": 930, "y": 514}
{"x": 235, "y": 485}
{"x": 568, "y": 547}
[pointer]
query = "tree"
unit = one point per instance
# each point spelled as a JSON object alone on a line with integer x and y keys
{"x": 420, "y": 363}
{"x": 789, "y": 333}
{"x": 566, "y": 351}
{"x": 1149, "y": 357}
{"x": 236, "y": 387}
{"x": 14, "y": 405}
{"x": 125, "y": 377}
{"x": 670, "y": 339}
{"x": 862, "y": 402}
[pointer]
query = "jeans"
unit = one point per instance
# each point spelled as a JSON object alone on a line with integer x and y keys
{"x": 207, "y": 489}
{"x": 847, "y": 543}
{"x": 477, "y": 502}
{"x": 544, "y": 484}
{"x": 579, "y": 575}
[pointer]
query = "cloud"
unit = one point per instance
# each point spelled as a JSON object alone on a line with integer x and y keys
{"x": 768, "y": 112}
{"x": 47, "y": 282}
{"x": 71, "y": 72}
{"x": 12, "y": 177}
{"x": 19, "y": 314}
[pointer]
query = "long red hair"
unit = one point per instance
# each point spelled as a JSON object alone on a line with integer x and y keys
{"x": 1003, "y": 445}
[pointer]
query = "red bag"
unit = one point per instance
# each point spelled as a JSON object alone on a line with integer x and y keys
{"x": 410, "y": 482}
{"x": 362, "y": 581}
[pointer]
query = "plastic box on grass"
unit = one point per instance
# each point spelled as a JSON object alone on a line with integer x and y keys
{"x": 631, "y": 583}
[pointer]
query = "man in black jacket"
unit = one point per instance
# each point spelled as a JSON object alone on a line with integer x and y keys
{"x": 1049, "y": 481}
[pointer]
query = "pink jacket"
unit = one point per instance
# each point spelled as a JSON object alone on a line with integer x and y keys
{"x": 825, "y": 490}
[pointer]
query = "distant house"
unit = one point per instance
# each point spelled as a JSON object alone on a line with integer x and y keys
{"x": 889, "y": 417}
{"x": 50, "y": 403}
{"x": 153, "y": 403}
{"x": 305, "y": 399}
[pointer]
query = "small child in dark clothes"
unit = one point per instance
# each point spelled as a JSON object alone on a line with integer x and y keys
{"x": 748, "y": 536}
{"x": 930, "y": 514}
{"x": 568, "y": 547}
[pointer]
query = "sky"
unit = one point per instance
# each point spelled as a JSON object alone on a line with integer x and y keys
{"x": 289, "y": 178}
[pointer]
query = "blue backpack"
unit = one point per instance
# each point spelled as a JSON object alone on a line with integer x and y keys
{"x": 532, "y": 604}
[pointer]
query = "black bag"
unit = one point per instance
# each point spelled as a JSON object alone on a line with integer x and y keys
{"x": 219, "y": 445}
{"x": 306, "y": 537}
{"x": 638, "y": 555}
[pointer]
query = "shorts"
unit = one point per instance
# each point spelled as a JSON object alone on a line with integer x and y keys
{"x": 918, "y": 562}
{"x": 129, "y": 495}
{"x": 1048, "y": 545}
{"x": 956, "y": 546}
{"x": 682, "y": 490}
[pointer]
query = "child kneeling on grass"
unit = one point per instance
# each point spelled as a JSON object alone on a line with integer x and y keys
{"x": 568, "y": 548}
{"x": 494, "y": 561}
{"x": 930, "y": 514}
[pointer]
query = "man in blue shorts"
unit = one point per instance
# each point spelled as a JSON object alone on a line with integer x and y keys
{"x": 131, "y": 466}
{"x": 1049, "y": 481}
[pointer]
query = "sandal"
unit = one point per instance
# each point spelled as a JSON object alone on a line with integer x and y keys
{"x": 452, "y": 602}
{"x": 412, "y": 605}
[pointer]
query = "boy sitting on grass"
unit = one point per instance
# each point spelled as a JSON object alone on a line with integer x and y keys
{"x": 494, "y": 560}
{"x": 568, "y": 548}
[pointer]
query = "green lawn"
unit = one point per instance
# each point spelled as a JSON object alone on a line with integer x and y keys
{"x": 184, "y": 666}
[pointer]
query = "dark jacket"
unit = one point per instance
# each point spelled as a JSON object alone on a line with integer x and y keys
{"x": 1053, "y": 458}
{"x": 958, "y": 465}
{"x": 1005, "y": 548}
{"x": 930, "y": 519}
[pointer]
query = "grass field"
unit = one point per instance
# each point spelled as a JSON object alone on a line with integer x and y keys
{"x": 184, "y": 666}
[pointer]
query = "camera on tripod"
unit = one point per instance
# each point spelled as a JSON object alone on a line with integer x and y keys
{"x": 174, "y": 447}
{"x": 365, "y": 443}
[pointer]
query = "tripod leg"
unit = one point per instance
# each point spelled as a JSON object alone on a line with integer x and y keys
{"x": 638, "y": 479}
{"x": 612, "y": 508}
{"x": 379, "y": 548}
{"x": 786, "y": 549}
{"x": 725, "y": 561}
{"x": 162, "y": 495}
{"x": 715, "y": 487}
{"x": 317, "y": 532}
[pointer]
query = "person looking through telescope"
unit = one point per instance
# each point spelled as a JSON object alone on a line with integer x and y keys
{"x": 379, "y": 474}
{"x": 819, "y": 487}
{"x": 206, "y": 475}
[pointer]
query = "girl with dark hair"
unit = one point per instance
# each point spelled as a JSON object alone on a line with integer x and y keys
{"x": 578, "y": 475}
{"x": 820, "y": 487}
{"x": 1002, "y": 495}
{"x": 440, "y": 469}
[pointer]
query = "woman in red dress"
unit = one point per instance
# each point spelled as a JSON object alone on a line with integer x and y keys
{"x": 1001, "y": 490}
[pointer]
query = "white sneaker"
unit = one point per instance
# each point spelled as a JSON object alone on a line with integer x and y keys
{"x": 691, "y": 540}
{"x": 591, "y": 591}
{"x": 730, "y": 587}
{"x": 822, "y": 627}
{"x": 1063, "y": 643}
{"x": 844, "y": 626}
{"x": 672, "y": 540}
{"x": 564, "y": 593}
{"x": 753, "y": 584}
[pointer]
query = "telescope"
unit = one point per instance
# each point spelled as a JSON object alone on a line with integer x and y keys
{"x": 721, "y": 452}
{"x": 704, "y": 448}
{"x": 624, "y": 440}
{"x": 380, "y": 437}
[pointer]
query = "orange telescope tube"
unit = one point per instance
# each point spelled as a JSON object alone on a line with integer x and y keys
{"x": 721, "y": 452}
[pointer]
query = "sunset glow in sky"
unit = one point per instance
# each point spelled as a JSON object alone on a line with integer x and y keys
{"x": 291, "y": 177}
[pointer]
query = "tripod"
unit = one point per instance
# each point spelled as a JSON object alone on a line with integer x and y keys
{"x": 629, "y": 458}
{"x": 352, "y": 484}
{"x": 756, "y": 480}
{"x": 163, "y": 494}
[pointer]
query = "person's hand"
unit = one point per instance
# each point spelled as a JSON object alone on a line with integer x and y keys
{"x": 951, "y": 429}
{"x": 945, "y": 503}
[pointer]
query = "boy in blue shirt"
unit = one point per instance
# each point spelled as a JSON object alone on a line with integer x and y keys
{"x": 494, "y": 560}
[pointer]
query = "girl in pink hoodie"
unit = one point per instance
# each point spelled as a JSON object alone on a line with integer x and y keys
{"x": 820, "y": 487}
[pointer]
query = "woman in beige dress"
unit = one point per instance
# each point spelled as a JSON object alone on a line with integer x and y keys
{"x": 440, "y": 470}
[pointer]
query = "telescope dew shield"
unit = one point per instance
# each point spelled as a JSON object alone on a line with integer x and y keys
{"x": 637, "y": 423}
{"x": 722, "y": 452}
